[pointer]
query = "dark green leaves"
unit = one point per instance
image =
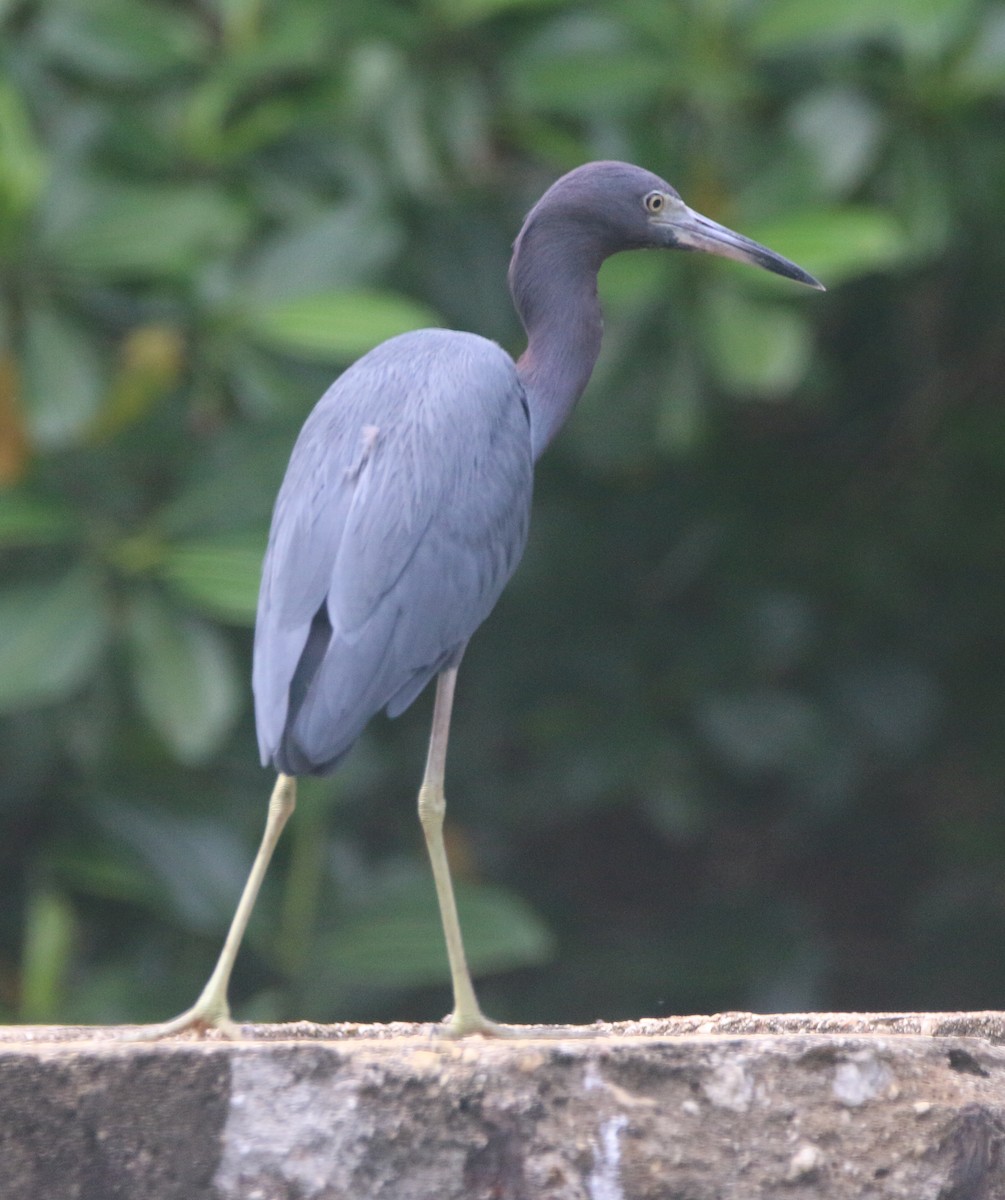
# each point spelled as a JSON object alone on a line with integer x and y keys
{"x": 335, "y": 326}
{"x": 26, "y": 521}
{"x": 219, "y": 576}
{"x": 51, "y": 635}
{"x": 586, "y": 65}
{"x": 839, "y": 244}
{"x": 756, "y": 348}
{"x": 185, "y": 677}
{"x": 121, "y": 230}
{"x": 754, "y": 650}
{"x": 918, "y": 24}
{"x": 48, "y": 942}
{"x": 121, "y": 42}
{"x": 62, "y": 376}
{"x": 22, "y": 161}
{"x": 398, "y": 942}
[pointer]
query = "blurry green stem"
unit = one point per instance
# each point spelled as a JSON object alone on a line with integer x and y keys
{"x": 298, "y": 918}
{"x": 48, "y": 943}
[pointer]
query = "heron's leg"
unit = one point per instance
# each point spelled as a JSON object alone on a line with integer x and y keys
{"x": 211, "y": 1010}
{"x": 467, "y": 1017}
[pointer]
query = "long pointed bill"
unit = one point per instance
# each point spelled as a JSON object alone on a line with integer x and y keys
{"x": 692, "y": 231}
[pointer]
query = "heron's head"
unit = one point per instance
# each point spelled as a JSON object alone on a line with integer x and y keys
{"x": 604, "y": 207}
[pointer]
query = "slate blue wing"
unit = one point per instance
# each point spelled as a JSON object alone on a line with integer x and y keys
{"x": 403, "y": 513}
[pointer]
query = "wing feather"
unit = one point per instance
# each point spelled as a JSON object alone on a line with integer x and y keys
{"x": 403, "y": 513}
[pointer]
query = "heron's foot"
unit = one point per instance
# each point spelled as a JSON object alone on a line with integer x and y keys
{"x": 460, "y": 1025}
{"x": 210, "y": 1012}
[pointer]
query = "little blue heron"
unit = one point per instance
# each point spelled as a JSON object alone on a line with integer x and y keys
{"x": 404, "y": 513}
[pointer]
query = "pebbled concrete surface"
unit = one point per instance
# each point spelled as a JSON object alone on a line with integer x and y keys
{"x": 732, "y": 1107}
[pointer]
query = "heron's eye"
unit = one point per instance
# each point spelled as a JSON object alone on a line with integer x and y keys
{"x": 655, "y": 202}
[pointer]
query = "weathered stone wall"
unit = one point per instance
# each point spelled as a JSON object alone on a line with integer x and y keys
{"x": 734, "y": 1107}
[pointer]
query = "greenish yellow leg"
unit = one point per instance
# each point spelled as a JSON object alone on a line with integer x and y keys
{"x": 467, "y": 1017}
{"x": 211, "y": 1010}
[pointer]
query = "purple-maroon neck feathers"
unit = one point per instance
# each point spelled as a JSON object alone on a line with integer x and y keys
{"x": 554, "y": 286}
{"x": 587, "y": 215}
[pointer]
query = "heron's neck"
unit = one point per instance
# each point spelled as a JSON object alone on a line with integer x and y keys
{"x": 556, "y": 297}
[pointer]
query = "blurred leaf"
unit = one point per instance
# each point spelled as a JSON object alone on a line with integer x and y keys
{"x": 265, "y": 387}
{"x": 306, "y": 873}
{"x": 50, "y": 638}
{"x": 835, "y": 244}
{"x": 458, "y": 11}
{"x": 241, "y": 20}
{"x": 755, "y": 348}
{"x": 922, "y": 24}
{"x": 762, "y": 731}
{"x": 584, "y": 64}
{"x": 125, "y": 230}
{"x": 633, "y": 281}
{"x": 923, "y": 195}
{"x": 231, "y": 487}
{"x": 265, "y": 39}
{"x": 235, "y": 109}
{"x": 672, "y": 790}
{"x": 589, "y": 82}
{"x": 335, "y": 325}
{"x": 213, "y": 138}
{"x": 27, "y": 521}
{"x": 119, "y": 40}
{"x": 102, "y": 872}
{"x": 780, "y": 630}
{"x": 62, "y": 377}
{"x": 982, "y": 68}
{"x": 398, "y": 942}
{"x": 200, "y": 863}
{"x": 22, "y": 163}
{"x": 338, "y": 249}
{"x": 895, "y": 704}
{"x": 610, "y": 439}
{"x": 151, "y": 359}
{"x": 185, "y": 678}
{"x": 840, "y": 130}
{"x": 218, "y": 575}
{"x": 45, "y": 956}
{"x": 682, "y": 419}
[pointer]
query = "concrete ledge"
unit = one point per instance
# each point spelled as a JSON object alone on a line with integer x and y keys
{"x": 733, "y": 1107}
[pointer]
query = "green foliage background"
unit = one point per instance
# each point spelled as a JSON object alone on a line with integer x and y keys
{"x": 734, "y": 736}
